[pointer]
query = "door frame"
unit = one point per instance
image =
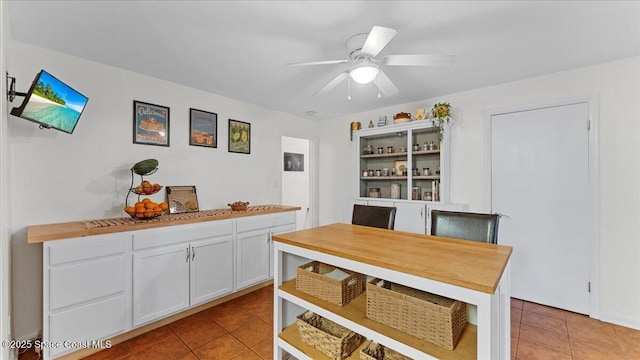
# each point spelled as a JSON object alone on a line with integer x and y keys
{"x": 593, "y": 102}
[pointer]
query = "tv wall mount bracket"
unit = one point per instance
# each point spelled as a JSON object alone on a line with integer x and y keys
{"x": 11, "y": 88}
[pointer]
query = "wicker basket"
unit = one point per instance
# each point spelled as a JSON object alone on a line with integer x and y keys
{"x": 335, "y": 341}
{"x": 311, "y": 279}
{"x": 436, "y": 319}
{"x": 375, "y": 351}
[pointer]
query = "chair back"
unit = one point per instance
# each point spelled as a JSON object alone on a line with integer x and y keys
{"x": 465, "y": 225}
{"x": 383, "y": 217}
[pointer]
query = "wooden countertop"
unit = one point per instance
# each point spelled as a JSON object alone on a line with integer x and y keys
{"x": 48, "y": 232}
{"x": 469, "y": 264}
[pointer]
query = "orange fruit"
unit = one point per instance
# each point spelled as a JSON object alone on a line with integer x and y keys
{"x": 149, "y": 213}
{"x": 164, "y": 205}
{"x": 150, "y": 205}
{"x": 140, "y": 214}
{"x": 130, "y": 210}
{"x": 146, "y": 200}
{"x": 139, "y": 205}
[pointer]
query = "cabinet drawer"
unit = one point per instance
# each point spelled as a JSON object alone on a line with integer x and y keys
{"x": 95, "y": 321}
{"x": 183, "y": 233}
{"x": 265, "y": 221}
{"x": 75, "y": 283}
{"x": 66, "y": 251}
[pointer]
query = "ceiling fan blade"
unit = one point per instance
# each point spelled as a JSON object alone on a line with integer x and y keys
{"x": 333, "y": 83}
{"x": 378, "y": 38}
{"x": 419, "y": 60}
{"x": 386, "y": 86}
{"x": 323, "y": 62}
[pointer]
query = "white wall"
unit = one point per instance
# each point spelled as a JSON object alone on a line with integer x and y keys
{"x": 618, "y": 86}
{"x": 5, "y": 192}
{"x": 58, "y": 177}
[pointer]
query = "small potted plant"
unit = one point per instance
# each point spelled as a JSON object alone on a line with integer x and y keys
{"x": 440, "y": 116}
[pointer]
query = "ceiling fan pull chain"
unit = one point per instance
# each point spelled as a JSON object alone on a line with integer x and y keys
{"x": 349, "y": 88}
{"x": 379, "y": 96}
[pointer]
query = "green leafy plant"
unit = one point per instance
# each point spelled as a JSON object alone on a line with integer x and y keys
{"x": 440, "y": 116}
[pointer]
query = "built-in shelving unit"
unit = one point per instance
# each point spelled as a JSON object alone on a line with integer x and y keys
{"x": 412, "y": 147}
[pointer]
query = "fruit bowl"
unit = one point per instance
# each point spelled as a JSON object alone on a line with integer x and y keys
{"x": 146, "y": 209}
{"x": 239, "y": 205}
{"x": 139, "y": 191}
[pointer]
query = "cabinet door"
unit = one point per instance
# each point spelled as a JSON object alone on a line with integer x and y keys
{"x": 211, "y": 274}
{"x": 252, "y": 257}
{"x": 160, "y": 282}
{"x": 410, "y": 217}
{"x": 277, "y": 231}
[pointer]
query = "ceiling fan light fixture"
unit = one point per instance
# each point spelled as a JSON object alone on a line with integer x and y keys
{"x": 364, "y": 74}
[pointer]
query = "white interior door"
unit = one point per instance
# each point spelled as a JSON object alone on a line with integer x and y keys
{"x": 540, "y": 181}
{"x": 296, "y": 180}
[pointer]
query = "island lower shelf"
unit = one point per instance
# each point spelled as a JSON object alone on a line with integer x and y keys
{"x": 355, "y": 312}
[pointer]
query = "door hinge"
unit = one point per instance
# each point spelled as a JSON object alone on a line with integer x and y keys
{"x": 588, "y": 125}
{"x": 589, "y": 286}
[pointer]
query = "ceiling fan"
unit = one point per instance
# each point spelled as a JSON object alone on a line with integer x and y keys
{"x": 363, "y": 49}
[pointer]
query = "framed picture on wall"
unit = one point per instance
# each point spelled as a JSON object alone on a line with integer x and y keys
{"x": 293, "y": 162}
{"x": 150, "y": 124}
{"x": 239, "y": 137}
{"x": 203, "y": 128}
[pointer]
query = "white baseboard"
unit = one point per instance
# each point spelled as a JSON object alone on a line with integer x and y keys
{"x": 621, "y": 320}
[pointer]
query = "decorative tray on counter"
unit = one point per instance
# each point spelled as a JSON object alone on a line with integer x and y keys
{"x": 173, "y": 217}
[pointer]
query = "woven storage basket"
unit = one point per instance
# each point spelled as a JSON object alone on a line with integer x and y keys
{"x": 339, "y": 292}
{"x": 375, "y": 351}
{"x": 335, "y": 341}
{"x": 436, "y": 319}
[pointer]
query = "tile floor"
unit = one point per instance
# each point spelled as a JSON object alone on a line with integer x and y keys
{"x": 241, "y": 329}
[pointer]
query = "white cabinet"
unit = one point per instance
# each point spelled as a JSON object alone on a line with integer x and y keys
{"x": 180, "y": 267}
{"x": 160, "y": 282}
{"x": 407, "y": 155}
{"x": 254, "y": 246}
{"x": 96, "y": 287}
{"x": 410, "y": 217}
{"x": 252, "y": 258}
{"x": 211, "y": 273}
{"x": 86, "y": 289}
{"x": 415, "y": 138}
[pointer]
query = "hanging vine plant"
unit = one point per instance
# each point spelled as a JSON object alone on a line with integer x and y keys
{"x": 440, "y": 115}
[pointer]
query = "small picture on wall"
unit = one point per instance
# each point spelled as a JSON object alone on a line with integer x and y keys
{"x": 203, "y": 128}
{"x": 293, "y": 162}
{"x": 150, "y": 124}
{"x": 239, "y": 137}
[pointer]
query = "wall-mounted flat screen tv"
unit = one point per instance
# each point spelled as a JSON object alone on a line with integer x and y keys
{"x": 52, "y": 104}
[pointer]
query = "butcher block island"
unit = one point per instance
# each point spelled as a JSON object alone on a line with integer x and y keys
{"x": 105, "y": 281}
{"x": 471, "y": 272}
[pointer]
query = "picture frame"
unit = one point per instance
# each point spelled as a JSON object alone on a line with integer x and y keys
{"x": 203, "y": 128}
{"x": 293, "y": 161}
{"x": 182, "y": 199}
{"x": 239, "y": 137}
{"x": 150, "y": 124}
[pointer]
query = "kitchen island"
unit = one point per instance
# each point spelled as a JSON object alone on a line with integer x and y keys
{"x": 472, "y": 272}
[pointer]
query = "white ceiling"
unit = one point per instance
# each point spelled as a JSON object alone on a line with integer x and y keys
{"x": 240, "y": 49}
